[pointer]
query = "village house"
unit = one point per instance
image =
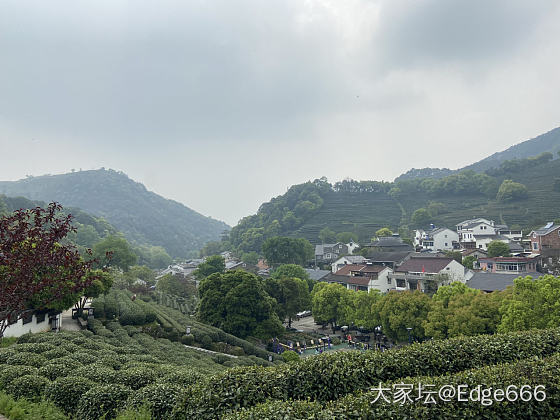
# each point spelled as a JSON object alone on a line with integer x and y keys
{"x": 436, "y": 239}
{"x": 363, "y": 277}
{"x": 417, "y": 271}
{"x": 328, "y": 253}
{"x": 546, "y": 240}
{"x": 478, "y": 233}
{"x": 34, "y": 322}
{"x": 490, "y": 282}
{"x": 389, "y": 244}
{"x": 347, "y": 259}
{"x": 508, "y": 265}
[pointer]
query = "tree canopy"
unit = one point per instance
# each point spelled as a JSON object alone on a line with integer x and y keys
{"x": 498, "y": 249}
{"x": 283, "y": 250}
{"x": 237, "y": 302}
{"x": 37, "y": 270}
{"x": 510, "y": 190}
{"x": 118, "y": 247}
{"x": 384, "y": 232}
{"x": 213, "y": 264}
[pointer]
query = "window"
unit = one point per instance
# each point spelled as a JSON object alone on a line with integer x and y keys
{"x": 446, "y": 244}
{"x": 388, "y": 280}
{"x": 27, "y": 318}
{"x": 40, "y": 318}
{"x": 535, "y": 245}
{"x": 534, "y": 235}
{"x": 480, "y": 246}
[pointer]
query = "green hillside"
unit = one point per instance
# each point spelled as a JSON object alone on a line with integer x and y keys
{"x": 143, "y": 216}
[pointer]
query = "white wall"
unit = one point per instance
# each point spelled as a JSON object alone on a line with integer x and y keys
{"x": 18, "y": 329}
{"x": 444, "y": 237}
{"x": 455, "y": 271}
{"x": 381, "y": 282}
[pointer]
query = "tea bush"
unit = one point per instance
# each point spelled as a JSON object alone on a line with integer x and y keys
{"x": 65, "y": 392}
{"x": 102, "y": 400}
{"x": 30, "y": 387}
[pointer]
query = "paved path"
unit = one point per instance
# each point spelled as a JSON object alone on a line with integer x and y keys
{"x": 69, "y": 324}
{"x": 207, "y": 351}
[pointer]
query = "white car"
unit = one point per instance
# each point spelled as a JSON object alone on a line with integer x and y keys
{"x": 303, "y": 314}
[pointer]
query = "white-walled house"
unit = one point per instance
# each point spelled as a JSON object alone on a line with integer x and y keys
{"x": 34, "y": 323}
{"x": 347, "y": 259}
{"x": 437, "y": 239}
{"x": 364, "y": 277}
{"x": 415, "y": 272}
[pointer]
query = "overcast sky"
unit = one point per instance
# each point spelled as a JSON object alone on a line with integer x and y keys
{"x": 223, "y": 104}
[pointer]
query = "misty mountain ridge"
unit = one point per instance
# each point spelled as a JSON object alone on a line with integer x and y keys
{"x": 143, "y": 216}
{"x": 547, "y": 142}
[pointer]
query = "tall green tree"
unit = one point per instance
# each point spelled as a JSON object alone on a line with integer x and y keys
{"x": 533, "y": 303}
{"x": 383, "y": 232}
{"x": 330, "y": 303}
{"x": 213, "y": 264}
{"x": 293, "y": 270}
{"x": 237, "y": 302}
{"x": 421, "y": 217}
{"x": 401, "y": 310}
{"x": 510, "y": 190}
{"x": 327, "y": 235}
{"x": 283, "y": 250}
{"x": 122, "y": 255}
{"x": 498, "y": 249}
{"x": 362, "y": 309}
{"x": 346, "y": 237}
{"x": 291, "y": 294}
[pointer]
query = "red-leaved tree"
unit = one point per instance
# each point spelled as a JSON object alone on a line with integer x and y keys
{"x": 37, "y": 269}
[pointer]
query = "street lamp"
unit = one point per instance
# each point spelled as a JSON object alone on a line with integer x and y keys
{"x": 409, "y": 329}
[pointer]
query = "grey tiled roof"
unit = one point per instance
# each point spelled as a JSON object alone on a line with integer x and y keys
{"x": 316, "y": 274}
{"x": 494, "y": 281}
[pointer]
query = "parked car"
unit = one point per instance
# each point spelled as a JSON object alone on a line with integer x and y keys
{"x": 303, "y": 314}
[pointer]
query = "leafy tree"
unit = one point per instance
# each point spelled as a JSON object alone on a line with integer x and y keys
{"x": 291, "y": 294}
{"x": 100, "y": 285}
{"x": 435, "y": 208}
{"x": 361, "y": 310}
{"x": 293, "y": 270}
{"x": 159, "y": 258}
{"x": 346, "y": 237}
{"x": 329, "y": 302}
{"x": 456, "y": 255}
{"x": 510, "y": 190}
{"x": 121, "y": 253}
{"x": 237, "y": 302}
{"x": 468, "y": 261}
{"x": 143, "y": 273}
{"x": 176, "y": 285}
{"x": 37, "y": 270}
{"x": 383, "y": 232}
{"x": 283, "y": 250}
{"x": 421, "y": 217}
{"x": 498, "y": 249}
{"x": 250, "y": 257}
{"x": 401, "y": 310}
{"x": 213, "y": 264}
{"x": 533, "y": 303}
{"x": 327, "y": 236}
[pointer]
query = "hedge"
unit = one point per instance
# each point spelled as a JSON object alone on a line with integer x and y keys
{"x": 161, "y": 398}
{"x": 9, "y": 373}
{"x": 26, "y": 359}
{"x": 333, "y": 375}
{"x": 136, "y": 377}
{"x": 23, "y": 409}
{"x": 27, "y": 386}
{"x": 102, "y": 400}
{"x": 64, "y": 392}
{"x": 369, "y": 405}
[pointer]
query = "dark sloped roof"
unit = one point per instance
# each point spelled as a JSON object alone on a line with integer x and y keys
{"x": 384, "y": 256}
{"x": 316, "y": 274}
{"x": 424, "y": 264}
{"x": 495, "y": 281}
{"x": 546, "y": 230}
{"x": 333, "y": 278}
{"x": 362, "y": 268}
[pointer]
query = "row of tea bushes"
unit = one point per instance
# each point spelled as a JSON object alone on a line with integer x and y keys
{"x": 536, "y": 396}
{"x": 110, "y": 367}
{"x": 119, "y": 304}
{"x": 332, "y": 376}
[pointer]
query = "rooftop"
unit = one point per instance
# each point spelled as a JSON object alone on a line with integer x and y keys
{"x": 418, "y": 264}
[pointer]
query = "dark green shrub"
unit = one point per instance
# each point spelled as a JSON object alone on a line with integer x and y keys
{"x": 26, "y": 359}
{"x": 55, "y": 353}
{"x": 97, "y": 373}
{"x": 182, "y": 376}
{"x": 53, "y": 371}
{"x": 290, "y": 356}
{"x": 136, "y": 377}
{"x": 9, "y": 373}
{"x": 67, "y": 361}
{"x": 6, "y": 353}
{"x": 83, "y": 357}
{"x": 37, "y": 348}
{"x": 65, "y": 392}
{"x": 333, "y": 375}
{"x": 23, "y": 409}
{"x": 187, "y": 339}
{"x": 102, "y": 400}
{"x": 161, "y": 398}
{"x": 27, "y": 386}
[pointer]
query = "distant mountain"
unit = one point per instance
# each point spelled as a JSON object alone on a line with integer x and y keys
{"x": 547, "y": 142}
{"x": 143, "y": 216}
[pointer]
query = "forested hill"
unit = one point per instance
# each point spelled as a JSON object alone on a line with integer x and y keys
{"x": 143, "y": 216}
{"x": 547, "y": 142}
{"x": 90, "y": 229}
{"x": 362, "y": 207}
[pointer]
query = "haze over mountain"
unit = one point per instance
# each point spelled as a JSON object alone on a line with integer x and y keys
{"x": 143, "y": 216}
{"x": 547, "y": 142}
